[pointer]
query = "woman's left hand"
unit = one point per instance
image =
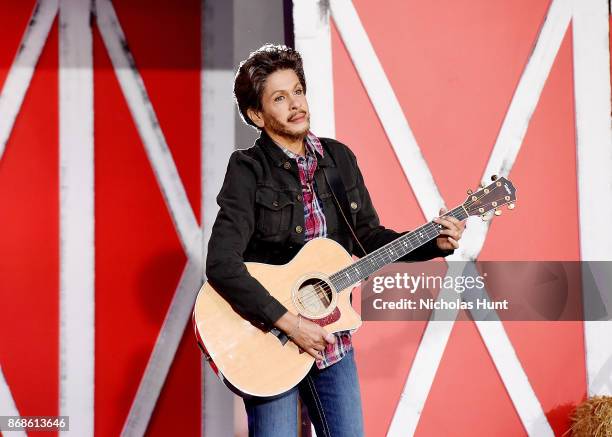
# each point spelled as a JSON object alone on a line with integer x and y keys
{"x": 450, "y": 236}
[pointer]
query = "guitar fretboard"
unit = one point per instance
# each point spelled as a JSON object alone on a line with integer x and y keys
{"x": 391, "y": 252}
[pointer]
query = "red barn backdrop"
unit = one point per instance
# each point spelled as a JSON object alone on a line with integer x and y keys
{"x": 101, "y": 115}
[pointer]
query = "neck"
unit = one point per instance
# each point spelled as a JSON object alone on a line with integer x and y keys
{"x": 295, "y": 144}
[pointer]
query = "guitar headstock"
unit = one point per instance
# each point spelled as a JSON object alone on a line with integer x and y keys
{"x": 490, "y": 198}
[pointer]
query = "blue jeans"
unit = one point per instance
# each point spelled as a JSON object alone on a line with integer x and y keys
{"x": 331, "y": 396}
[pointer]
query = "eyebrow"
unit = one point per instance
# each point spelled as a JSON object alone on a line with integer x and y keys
{"x": 281, "y": 90}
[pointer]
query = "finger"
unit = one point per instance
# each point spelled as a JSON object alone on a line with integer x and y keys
{"x": 448, "y": 226}
{"x": 453, "y": 243}
{"x": 317, "y": 354}
{"x": 455, "y": 233}
{"x": 442, "y": 210}
{"x": 444, "y": 221}
{"x": 330, "y": 338}
{"x": 320, "y": 346}
{"x": 453, "y": 219}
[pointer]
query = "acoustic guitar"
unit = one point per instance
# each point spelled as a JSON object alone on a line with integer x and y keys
{"x": 317, "y": 284}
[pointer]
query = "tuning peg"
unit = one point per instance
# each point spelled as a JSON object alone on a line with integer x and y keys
{"x": 469, "y": 191}
{"x": 494, "y": 177}
{"x": 481, "y": 185}
{"x": 498, "y": 212}
{"x": 511, "y": 206}
{"x": 485, "y": 217}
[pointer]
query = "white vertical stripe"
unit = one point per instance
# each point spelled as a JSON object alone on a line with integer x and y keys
{"x": 217, "y": 145}
{"x": 313, "y": 41}
{"x": 436, "y": 335}
{"x": 7, "y": 403}
{"x": 149, "y": 129}
{"x": 594, "y": 159}
{"x": 76, "y": 217}
{"x": 387, "y": 106}
{"x": 218, "y": 140}
{"x": 19, "y": 76}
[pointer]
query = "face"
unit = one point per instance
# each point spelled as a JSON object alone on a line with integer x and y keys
{"x": 284, "y": 107}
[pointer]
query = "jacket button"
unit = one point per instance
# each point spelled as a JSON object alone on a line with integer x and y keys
{"x": 299, "y": 197}
{"x": 275, "y": 203}
{"x": 287, "y": 165}
{"x": 353, "y": 205}
{"x": 298, "y": 229}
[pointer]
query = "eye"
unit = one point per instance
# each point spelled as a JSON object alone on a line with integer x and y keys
{"x": 279, "y": 98}
{"x": 299, "y": 91}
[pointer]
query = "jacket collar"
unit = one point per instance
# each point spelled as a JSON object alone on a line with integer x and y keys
{"x": 279, "y": 157}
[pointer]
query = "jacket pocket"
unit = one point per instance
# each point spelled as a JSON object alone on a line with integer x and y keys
{"x": 275, "y": 209}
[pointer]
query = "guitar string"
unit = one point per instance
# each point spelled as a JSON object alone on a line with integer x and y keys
{"x": 397, "y": 244}
{"x": 324, "y": 289}
{"x": 378, "y": 255}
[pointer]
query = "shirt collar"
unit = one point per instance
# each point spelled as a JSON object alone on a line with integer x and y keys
{"x": 312, "y": 146}
{"x": 279, "y": 157}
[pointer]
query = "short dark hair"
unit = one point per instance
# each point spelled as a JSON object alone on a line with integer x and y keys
{"x": 254, "y": 70}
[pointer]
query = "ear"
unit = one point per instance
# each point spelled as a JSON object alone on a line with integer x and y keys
{"x": 256, "y": 118}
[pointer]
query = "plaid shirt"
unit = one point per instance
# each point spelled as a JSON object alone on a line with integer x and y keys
{"x": 315, "y": 226}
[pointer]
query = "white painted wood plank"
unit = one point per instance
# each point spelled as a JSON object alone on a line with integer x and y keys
{"x": 387, "y": 106}
{"x": 218, "y": 141}
{"x": 313, "y": 40}
{"x": 217, "y": 146}
{"x": 148, "y": 127}
{"x": 77, "y": 247}
{"x": 594, "y": 161}
{"x": 22, "y": 69}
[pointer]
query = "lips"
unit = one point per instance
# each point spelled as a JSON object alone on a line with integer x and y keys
{"x": 298, "y": 117}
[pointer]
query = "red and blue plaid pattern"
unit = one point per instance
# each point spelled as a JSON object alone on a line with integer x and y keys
{"x": 314, "y": 218}
{"x": 315, "y": 226}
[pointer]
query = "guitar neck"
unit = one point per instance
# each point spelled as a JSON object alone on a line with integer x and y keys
{"x": 392, "y": 251}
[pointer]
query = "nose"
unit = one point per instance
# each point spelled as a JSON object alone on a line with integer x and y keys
{"x": 295, "y": 102}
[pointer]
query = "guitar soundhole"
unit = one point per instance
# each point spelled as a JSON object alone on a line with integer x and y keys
{"x": 314, "y": 297}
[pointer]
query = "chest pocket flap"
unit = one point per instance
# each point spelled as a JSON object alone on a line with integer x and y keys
{"x": 275, "y": 209}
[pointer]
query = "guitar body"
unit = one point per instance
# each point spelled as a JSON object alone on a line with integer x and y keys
{"x": 259, "y": 363}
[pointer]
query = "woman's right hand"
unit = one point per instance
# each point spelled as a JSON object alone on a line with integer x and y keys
{"x": 307, "y": 335}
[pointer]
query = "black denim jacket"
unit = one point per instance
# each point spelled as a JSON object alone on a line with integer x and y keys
{"x": 262, "y": 219}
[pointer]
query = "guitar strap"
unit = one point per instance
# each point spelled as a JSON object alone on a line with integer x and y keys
{"x": 339, "y": 194}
